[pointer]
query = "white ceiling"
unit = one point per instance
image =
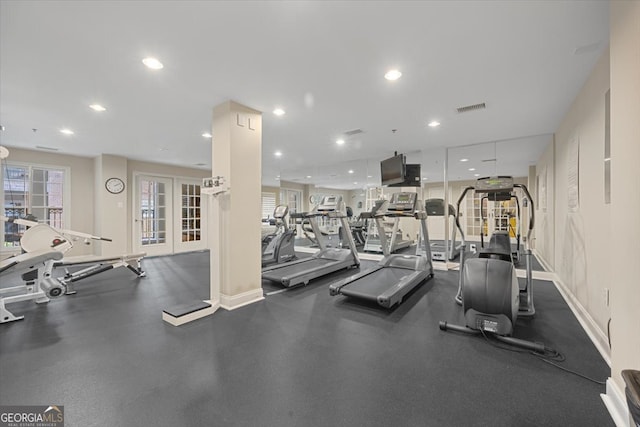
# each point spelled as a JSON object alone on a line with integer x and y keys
{"x": 323, "y": 62}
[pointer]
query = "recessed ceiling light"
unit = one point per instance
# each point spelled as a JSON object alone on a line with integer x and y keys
{"x": 277, "y": 178}
{"x": 66, "y": 131}
{"x": 340, "y": 141}
{"x": 152, "y": 63}
{"x": 434, "y": 124}
{"x": 278, "y": 153}
{"x": 207, "y": 135}
{"x": 278, "y": 112}
{"x": 308, "y": 176}
{"x": 464, "y": 160}
{"x": 369, "y": 176}
{"x": 476, "y": 174}
{"x": 350, "y": 170}
{"x": 472, "y": 169}
{"x": 97, "y": 107}
{"x": 355, "y": 183}
{"x": 425, "y": 178}
{"x": 392, "y": 75}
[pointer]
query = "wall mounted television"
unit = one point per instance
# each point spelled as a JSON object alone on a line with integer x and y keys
{"x": 411, "y": 176}
{"x": 392, "y": 170}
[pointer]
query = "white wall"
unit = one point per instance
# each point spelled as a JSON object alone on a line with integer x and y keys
{"x": 89, "y": 213}
{"x": 625, "y": 192}
{"x": 81, "y": 190}
{"x": 583, "y": 250}
{"x": 544, "y": 230}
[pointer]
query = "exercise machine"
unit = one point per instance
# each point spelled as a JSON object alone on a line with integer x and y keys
{"x": 278, "y": 247}
{"x": 505, "y": 224}
{"x": 390, "y": 229}
{"x": 435, "y": 207}
{"x": 359, "y": 230}
{"x": 395, "y": 276}
{"x": 488, "y": 289}
{"x": 327, "y": 260}
{"x": 76, "y": 268}
{"x": 36, "y": 284}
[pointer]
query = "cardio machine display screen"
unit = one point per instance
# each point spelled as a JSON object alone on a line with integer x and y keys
{"x": 494, "y": 183}
{"x": 402, "y": 201}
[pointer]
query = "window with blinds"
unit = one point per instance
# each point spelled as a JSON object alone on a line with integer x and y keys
{"x": 268, "y": 205}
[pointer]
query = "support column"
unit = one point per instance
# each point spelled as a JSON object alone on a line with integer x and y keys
{"x": 237, "y": 156}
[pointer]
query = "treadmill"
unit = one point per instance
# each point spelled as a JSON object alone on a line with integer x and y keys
{"x": 278, "y": 247}
{"x": 395, "y": 275}
{"x": 435, "y": 207}
{"x": 326, "y": 260}
{"x": 372, "y": 242}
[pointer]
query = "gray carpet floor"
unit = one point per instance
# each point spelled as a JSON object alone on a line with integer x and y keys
{"x": 298, "y": 358}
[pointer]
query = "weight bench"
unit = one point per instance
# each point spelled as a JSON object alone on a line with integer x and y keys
{"x": 99, "y": 264}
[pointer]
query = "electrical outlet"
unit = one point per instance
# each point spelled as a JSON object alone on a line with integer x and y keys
{"x": 606, "y": 296}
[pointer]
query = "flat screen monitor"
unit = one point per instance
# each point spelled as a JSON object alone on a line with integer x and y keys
{"x": 411, "y": 176}
{"x": 392, "y": 170}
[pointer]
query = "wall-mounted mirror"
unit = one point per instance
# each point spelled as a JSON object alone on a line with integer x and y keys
{"x": 479, "y": 218}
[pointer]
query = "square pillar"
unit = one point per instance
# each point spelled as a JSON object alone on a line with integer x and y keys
{"x": 237, "y": 156}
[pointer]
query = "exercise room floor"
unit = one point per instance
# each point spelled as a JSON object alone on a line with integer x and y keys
{"x": 298, "y": 358}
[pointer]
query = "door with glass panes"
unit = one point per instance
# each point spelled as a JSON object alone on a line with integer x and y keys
{"x": 191, "y": 208}
{"x": 153, "y": 219}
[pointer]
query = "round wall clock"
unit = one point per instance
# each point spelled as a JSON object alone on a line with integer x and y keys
{"x": 114, "y": 185}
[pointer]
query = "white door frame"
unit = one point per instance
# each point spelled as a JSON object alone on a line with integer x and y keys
{"x": 179, "y": 245}
{"x": 167, "y": 247}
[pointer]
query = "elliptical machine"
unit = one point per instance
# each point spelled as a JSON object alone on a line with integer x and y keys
{"x": 278, "y": 247}
{"x": 488, "y": 288}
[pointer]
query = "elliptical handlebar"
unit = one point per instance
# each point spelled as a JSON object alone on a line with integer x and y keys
{"x": 457, "y": 215}
{"x": 531, "y": 211}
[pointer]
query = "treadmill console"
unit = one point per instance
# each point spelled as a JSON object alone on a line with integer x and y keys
{"x": 494, "y": 184}
{"x": 281, "y": 211}
{"x": 329, "y": 204}
{"x": 403, "y": 203}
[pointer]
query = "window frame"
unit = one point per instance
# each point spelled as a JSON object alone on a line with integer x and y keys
{"x": 66, "y": 193}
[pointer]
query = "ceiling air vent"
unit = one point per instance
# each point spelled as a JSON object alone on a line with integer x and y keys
{"x": 471, "y": 108}
{"x": 353, "y": 132}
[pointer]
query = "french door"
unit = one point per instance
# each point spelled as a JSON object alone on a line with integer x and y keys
{"x": 170, "y": 215}
{"x": 191, "y": 209}
{"x": 153, "y": 226}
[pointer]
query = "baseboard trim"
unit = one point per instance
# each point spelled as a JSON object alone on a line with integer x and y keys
{"x": 589, "y": 325}
{"x": 616, "y": 404}
{"x": 179, "y": 321}
{"x": 231, "y": 302}
{"x": 541, "y": 260}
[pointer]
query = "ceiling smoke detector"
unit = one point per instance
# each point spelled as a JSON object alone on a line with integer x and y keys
{"x": 473, "y": 107}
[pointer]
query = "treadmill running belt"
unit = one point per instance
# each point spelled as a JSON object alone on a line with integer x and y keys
{"x": 372, "y": 285}
{"x": 296, "y": 269}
